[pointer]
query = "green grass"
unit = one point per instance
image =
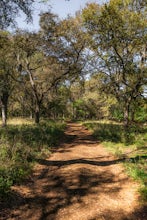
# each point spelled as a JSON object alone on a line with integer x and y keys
{"x": 21, "y": 145}
{"x": 129, "y": 144}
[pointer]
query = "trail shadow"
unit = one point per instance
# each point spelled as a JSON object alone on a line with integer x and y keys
{"x": 78, "y": 135}
{"x": 61, "y": 163}
{"x": 64, "y": 183}
{"x": 137, "y": 158}
{"x": 12, "y": 201}
{"x": 65, "y": 189}
{"x": 62, "y": 189}
{"x": 139, "y": 214}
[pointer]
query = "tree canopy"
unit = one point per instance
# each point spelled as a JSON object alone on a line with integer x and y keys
{"x": 92, "y": 64}
{"x": 9, "y": 9}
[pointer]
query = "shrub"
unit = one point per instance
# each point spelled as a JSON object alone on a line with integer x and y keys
{"x": 20, "y": 146}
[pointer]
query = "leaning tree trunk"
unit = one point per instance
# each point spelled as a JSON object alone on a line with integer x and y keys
{"x": 35, "y": 94}
{"x": 4, "y": 107}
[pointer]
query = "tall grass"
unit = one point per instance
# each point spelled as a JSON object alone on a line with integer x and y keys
{"x": 20, "y": 145}
{"x": 129, "y": 144}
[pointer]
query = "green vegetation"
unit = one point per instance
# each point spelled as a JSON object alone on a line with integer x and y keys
{"x": 91, "y": 66}
{"x": 21, "y": 145}
{"x": 128, "y": 145}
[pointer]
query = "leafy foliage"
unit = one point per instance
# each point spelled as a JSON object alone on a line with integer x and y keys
{"x": 118, "y": 43}
{"x": 21, "y": 145}
{"x": 10, "y": 8}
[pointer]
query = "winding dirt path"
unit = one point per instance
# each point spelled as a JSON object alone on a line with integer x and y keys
{"x": 79, "y": 181}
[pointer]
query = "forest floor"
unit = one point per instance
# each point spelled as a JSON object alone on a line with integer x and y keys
{"x": 79, "y": 181}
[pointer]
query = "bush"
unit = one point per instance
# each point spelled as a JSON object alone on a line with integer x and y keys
{"x": 5, "y": 182}
{"x": 20, "y": 146}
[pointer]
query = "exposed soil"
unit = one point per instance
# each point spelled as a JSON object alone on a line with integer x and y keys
{"x": 79, "y": 181}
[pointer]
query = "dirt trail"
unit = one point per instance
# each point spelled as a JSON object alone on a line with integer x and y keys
{"x": 79, "y": 181}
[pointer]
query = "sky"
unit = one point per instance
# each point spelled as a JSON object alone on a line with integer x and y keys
{"x": 60, "y": 7}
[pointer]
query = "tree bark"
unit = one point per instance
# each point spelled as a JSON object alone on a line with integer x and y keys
{"x": 126, "y": 114}
{"x": 37, "y": 114}
{"x": 4, "y": 107}
{"x": 4, "y": 115}
{"x": 133, "y": 115}
{"x": 35, "y": 94}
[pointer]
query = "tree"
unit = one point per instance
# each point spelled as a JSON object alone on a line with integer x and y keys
{"x": 9, "y": 9}
{"x": 31, "y": 68}
{"x": 118, "y": 42}
{"x": 65, "y": 42}
{"x": 6, "y": 68}
{"x": 47, "y": 58}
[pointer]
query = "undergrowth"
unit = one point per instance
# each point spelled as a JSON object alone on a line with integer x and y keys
{"x": 20, "y": 146}
{"x": 129, "y": 145}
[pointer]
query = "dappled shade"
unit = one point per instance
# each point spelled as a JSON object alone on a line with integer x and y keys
{"x": 79, "y": 181}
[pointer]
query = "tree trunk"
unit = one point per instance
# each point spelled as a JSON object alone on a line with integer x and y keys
{"x": 4, "y": 107}
{"x": 37, "y": 114}
{"x": 31, "y": 115}
{"x": 126, "y": 114}
{"x": 73, "y": 111}
{"x": 133, "y": 115}
{"x": 4, "y": 115}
